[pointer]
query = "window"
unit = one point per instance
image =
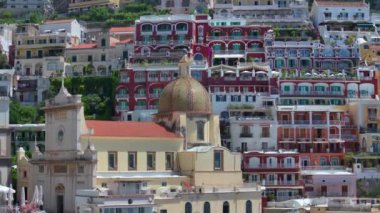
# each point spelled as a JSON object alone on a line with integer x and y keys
{"x": 132, "y": 160}
{"x": 221, "y": 98}
{"x": 169, "y": 160}
{"x": 226, "y": 207}
{"x": 248, "y": 206}
{"x": 188, "y": 208}
{"x": 163, "y": 211}
{"x": 218, "y": 160}
{"x": 265, "y": 133}
{"x": 235, "y": 98}
{"x": 74, "y": 58}
{"x": 112, "y": 160}
{"x": 151, "y": 160}
{"x": 41, "y": 169}
{"x": 103, "y": 42}
{"x": 244, "y": 147}
{"x": 80, "y": 169}
{"x": 89, "y": 58}
{"x": 103, "y": 57}
{"x": 200, "y": 130}
{"x": 206, "y": 207}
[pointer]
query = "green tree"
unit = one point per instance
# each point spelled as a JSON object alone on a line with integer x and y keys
{"x": 4, "y": 62}
{"x": 20, "y": 114}
{"x": 35, "y": 18}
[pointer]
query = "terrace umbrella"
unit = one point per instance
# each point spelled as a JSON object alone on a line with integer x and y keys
{"x": 307, "y": 74}
{"x": 10, "y": 196}
{"x": 41, "y": 203}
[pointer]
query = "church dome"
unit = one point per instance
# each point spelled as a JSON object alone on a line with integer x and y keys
{"x": 184, "y": 94}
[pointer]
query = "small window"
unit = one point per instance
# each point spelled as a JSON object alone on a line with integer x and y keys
{"x": 248, "y": 206}
{"x": 80, "y": 169}
{"x": 89, "y": 58}
{"x": 218, "y": 160}
{"x": 200, "y": 130}
{"x": 206, "y": 207}
{"x": 103, "y": 42}
{"x": 169, "y": 161}
{"x": 112, "y": 160}
{"x": 74, "y": 58}
{"x": 151, "y": 161}
{"x": 132, "y": 157}
{"x": 103, "y": 57}
{"x": 41, "y": 169}
{"x": 188, "y": 208}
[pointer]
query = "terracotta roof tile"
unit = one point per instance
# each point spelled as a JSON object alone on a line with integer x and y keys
{"x": 84, "y": 46}
{"x": 128, "y": 129}
{"x": 341, "y": 4}
{"x": 122, "y": 29}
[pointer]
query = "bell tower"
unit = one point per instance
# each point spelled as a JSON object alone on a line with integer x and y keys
{"x": 64, "y": 124}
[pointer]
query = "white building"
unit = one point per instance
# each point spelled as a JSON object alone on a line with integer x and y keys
{"x": 70, "y": 26}
{"x": 254, "y": 129}
{"x": 339, "y": 11}
{"x": 6, "y": 37}
{"x": 6, "y": 82}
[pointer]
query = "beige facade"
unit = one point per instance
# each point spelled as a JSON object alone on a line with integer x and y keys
{"x": 175, "y": 165}
{"x": 366, "y": 115}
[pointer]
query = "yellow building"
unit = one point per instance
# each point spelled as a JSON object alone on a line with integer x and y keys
{"x": 366, "y": 115}
{"x": 173, "y": 165}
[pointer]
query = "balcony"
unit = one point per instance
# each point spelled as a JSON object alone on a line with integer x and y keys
{"x": 282, "y": 183}
{"x": 124, "y": 79}
{"x": 335, "y": 122}
{"x": 140, "y": 107}
{"x": 233, "y": 37}
{"x": 312, "y": 93}
{"x": 255, "y": 50}
{"x": 246, "y": 135}
{"x": 302, "y": 122}
{"x": 287, "y": 122}
{"x": 287, "y": 140}
{"x": 320, "y": 122}
{"x": 139, "y": 80}
{"x": 252, "y": 118}
{"x": 137, "y": 95}
{"x": 271, "y": 166}
{"x": 122, "y": 108}
{"x": 235, "y": 53}
{"x": 154, "y": 95}
{"x": 122, "y": 96}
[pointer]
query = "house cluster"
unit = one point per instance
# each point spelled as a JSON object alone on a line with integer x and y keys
{"x": 272, "y": 96}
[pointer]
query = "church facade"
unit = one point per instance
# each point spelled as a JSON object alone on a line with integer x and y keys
{"x": 175, "y": 164}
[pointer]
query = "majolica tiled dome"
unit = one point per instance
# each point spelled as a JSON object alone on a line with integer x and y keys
{"x": 185, "y": 94}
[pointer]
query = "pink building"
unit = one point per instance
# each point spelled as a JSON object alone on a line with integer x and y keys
{"x": 329, "y": 182}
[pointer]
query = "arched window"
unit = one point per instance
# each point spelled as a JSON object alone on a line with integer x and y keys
{"x": 206, "y": 208}
{"x": 248, "y": 206}
{"x": 188, "y": 208}
{"x": 226, "y": 207}
{"x": 198, "y": 57}
{"x": 200, "y": 130}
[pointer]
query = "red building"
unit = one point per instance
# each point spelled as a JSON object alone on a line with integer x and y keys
{"x": 160, "y": 41}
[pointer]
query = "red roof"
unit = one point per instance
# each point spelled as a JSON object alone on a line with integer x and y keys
{"x": 122, "y": 29}
{"x": 341, "y": 4}
{"x": 85, "y": 46}
{"x": 60, "y": 21}
{"x": 125, "y": 41}
{"x": 128, "y": 129}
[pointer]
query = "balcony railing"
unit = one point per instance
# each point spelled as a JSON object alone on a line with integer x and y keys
{"x": 285, "y": 122}
{"x": 233, "y": 37}
{"x": 154, "y": 95}
{"x": 319, "y": 122}
{"x": 140, "y": 107}
{"x": 121, "y": 96}
{"x": 305, "y": 122}
{"x": 271, "y": 166}
{"x": 246, "y": 135}
{"x": 228, "y": 52}
{"x": 122, "y": 108}
{"x": 311, "y": 93}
